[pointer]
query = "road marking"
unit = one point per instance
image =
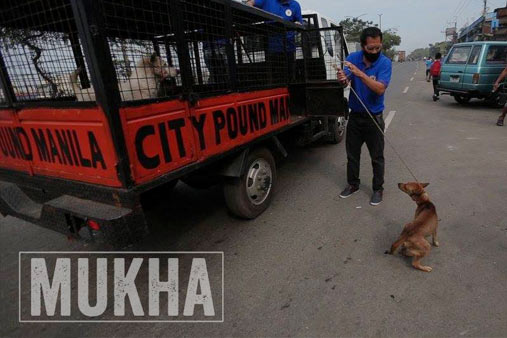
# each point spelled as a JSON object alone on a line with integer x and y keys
{"x": 389, "y": 118}
{"x": 406, "y": 90}
{"x": 415, "y": 73}
{"x": 411, "y": 79}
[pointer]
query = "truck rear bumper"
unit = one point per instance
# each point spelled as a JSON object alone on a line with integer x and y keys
{"x": 68, "y": 214}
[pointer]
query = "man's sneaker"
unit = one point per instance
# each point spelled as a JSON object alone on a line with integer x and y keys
{"x": 435, "y": 98}
{"x": 349, "y": 191}
{"x": 376, "y": 198}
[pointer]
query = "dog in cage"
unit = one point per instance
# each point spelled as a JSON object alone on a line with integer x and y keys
{"x": 144, "y": 83}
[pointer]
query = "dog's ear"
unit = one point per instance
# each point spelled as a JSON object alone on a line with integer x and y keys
{"x": 424, "y": 185}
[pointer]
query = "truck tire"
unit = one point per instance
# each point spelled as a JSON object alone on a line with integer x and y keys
{"x": 250, "y": 195}
{"x": 337, "y": 126}
{"x": 462, "y": 99}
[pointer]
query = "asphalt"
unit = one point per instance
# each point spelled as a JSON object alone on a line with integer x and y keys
{"x": 314, "y": 264}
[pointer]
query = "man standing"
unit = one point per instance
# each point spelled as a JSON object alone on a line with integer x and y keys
{"x": 281, "y": 55}
{"x": 289, "y": 10}
{"x": 435, "y": 74}
{"x": 370, "y": 73}
{"x": 495, "y": 88}
{"x": 428, "y": 63}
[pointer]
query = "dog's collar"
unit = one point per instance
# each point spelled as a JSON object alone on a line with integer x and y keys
{"x": 416, "y": 194}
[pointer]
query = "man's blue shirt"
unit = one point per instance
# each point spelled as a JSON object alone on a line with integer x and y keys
{"x": 380, "y": 71}
{"x": 428, "y": 64}
{"x": 289, "y": 10}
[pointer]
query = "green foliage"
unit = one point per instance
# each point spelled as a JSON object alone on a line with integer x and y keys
{"x": 439, "y": 47}
{"x": 419, "y": 53}
{"x": 390, "y": 41}
{"x": 352, "y": 28}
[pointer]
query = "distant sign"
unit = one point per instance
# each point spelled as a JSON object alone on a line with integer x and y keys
{"x": 450, "y": 31}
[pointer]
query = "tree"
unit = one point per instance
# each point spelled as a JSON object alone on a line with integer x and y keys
{"x": 35, "y": 42}
{"x": 352, "y": 28}
{"x": 419, "y": 53}
{"x": 389, "y": 41}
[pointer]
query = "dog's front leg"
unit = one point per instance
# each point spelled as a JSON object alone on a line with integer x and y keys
{"x": 423, "y": 248}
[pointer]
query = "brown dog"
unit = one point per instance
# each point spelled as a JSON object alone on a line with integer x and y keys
{"x": 425, "y": 223}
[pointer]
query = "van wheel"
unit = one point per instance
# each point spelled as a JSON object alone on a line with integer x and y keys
{"x": 462, "y": 99}
{"x": 496, "y": 101}
{"x": 250, "y": 195}
{"x": 337, "y": 126}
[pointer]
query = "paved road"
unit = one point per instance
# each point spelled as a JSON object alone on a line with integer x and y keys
{"x": 314, "y": 264}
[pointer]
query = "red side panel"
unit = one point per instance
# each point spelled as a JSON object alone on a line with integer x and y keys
{"x": 165, "y": 136}
{"x": 13, "y": 143}
{"x": 67, "y": 143}
{"x": 159, "y": 138}
{"x": 236, "y": 119}
{"x": 76, "y": 144}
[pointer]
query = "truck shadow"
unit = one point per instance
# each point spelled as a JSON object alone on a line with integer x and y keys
{"x": 173, "y": 214}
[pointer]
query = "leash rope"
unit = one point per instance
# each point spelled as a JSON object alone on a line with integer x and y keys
{"x": 385, "y": 137}
{"x": 378, "y": 127}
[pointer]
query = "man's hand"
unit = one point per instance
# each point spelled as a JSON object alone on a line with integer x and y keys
{"x": 250, "y": 3}
{"x": 342, "y": 77}
{"x": 353, "y": 69}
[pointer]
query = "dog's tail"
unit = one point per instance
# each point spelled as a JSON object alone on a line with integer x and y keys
{"x": 397, "y": 244}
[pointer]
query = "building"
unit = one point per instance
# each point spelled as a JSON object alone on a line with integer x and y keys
{"x": 492, "y": 26}
{"x": 499, "y": 25}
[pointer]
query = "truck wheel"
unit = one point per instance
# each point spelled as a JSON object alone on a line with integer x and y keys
{"x": 337, "y": 126}
{"x": 462, "y": 99}
{"x": 250, "y": 195}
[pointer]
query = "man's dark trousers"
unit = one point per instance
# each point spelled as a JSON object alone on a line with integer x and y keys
{"x": 361, "y": 129}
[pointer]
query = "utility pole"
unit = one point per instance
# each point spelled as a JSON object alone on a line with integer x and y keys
{"x": 485, "y": 10}
{"x": 380, "y": 21}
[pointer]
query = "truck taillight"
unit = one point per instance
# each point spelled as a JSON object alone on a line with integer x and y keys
{"x": 476, "y": 78}
{"x": 93, "y": 225}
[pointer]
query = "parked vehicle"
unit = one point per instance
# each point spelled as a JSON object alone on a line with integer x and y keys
{"x": 128, "y": 97}
{"x": 470, "y": 70}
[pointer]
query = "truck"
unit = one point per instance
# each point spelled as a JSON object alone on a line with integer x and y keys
{"x": 104, "y": 102}
{"x": 401, "y": 56}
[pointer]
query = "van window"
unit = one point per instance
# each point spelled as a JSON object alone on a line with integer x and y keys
{"x": 497, "y": 55}
{"x": 474, "y": 56}
{"x": 324, "y": 23}
{"x": 459, "y": 55}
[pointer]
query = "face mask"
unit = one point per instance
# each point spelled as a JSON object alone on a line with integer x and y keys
{"x": 372, "y": 57}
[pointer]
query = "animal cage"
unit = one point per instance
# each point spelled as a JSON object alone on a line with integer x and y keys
{"x": 215, "y": 47}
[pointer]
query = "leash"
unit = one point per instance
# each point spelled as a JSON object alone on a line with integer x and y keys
{"x": 381, "y": 131}
{"x": 385, "y": 137}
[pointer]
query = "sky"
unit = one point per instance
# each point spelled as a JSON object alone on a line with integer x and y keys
{"x": 419, "y": 22}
